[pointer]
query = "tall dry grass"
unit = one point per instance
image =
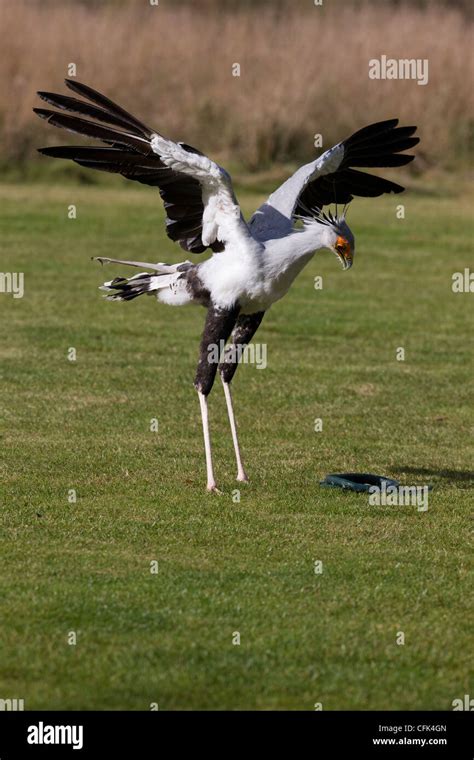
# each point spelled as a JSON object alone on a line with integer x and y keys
{"x": 304, "y": 70}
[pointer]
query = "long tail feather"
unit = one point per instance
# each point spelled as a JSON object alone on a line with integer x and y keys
{"x": 128, "y": 288}
{"x": 159, "y": 267}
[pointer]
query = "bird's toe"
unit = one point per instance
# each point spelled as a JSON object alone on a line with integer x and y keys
{"x": 212, "y": 488}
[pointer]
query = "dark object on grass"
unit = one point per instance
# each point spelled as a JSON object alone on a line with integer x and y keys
{"x": 358, "y": 481}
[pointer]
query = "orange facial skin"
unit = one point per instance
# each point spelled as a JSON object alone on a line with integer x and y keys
{"x": 342, "y": 246}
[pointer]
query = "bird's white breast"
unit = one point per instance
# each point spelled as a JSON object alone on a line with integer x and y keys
{"x": 232, "y": 275}
{"x": 253, "y": 275}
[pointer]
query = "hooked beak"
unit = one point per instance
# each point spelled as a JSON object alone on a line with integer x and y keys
{"x": 343, "y": 250}
{"x": 345, "y": 257}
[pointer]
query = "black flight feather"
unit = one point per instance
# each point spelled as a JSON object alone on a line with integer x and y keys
{"x": 128, "y": 153}
{"x": 377, "y": 145}
{"x": 107, "y": 104}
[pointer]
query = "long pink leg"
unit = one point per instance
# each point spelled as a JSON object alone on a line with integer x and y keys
{"x": 211, "y": 482}
{"x": 241, "y": 474}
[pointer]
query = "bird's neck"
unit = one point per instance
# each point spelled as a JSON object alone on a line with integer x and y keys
{"x": 308, "y": 240}
{"x": 297, "y": 248}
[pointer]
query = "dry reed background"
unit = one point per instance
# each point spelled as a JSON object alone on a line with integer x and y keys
{"x": 304, "y": 69}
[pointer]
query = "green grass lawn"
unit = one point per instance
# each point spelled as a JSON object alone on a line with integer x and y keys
{"x": 227, "y": 566}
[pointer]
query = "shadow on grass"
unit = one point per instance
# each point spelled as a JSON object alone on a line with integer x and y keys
{"x": 452, "y": 476}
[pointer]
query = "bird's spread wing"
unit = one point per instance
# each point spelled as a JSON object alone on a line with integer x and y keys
{"x": 332, "y": 178}
{"x": 201, "y": 208}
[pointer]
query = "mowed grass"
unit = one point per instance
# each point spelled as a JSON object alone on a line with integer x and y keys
{"x": 227, "y": 566}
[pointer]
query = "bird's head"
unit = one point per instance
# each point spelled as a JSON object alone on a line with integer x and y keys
{"x": 339, "y": 238}
{"x": 329, "y": 231}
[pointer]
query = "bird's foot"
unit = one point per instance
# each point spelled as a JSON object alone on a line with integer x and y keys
{"x": 212, "y": 488}
{"x": 242, "y": 477}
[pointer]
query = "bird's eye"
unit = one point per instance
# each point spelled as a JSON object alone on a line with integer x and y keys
{"x": 342, "y": 246}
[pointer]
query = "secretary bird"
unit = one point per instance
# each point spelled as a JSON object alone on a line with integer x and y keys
{"x": 252, "y": 264}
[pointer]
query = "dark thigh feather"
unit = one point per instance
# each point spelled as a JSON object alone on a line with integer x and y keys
{"x": 243, "y": 332}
